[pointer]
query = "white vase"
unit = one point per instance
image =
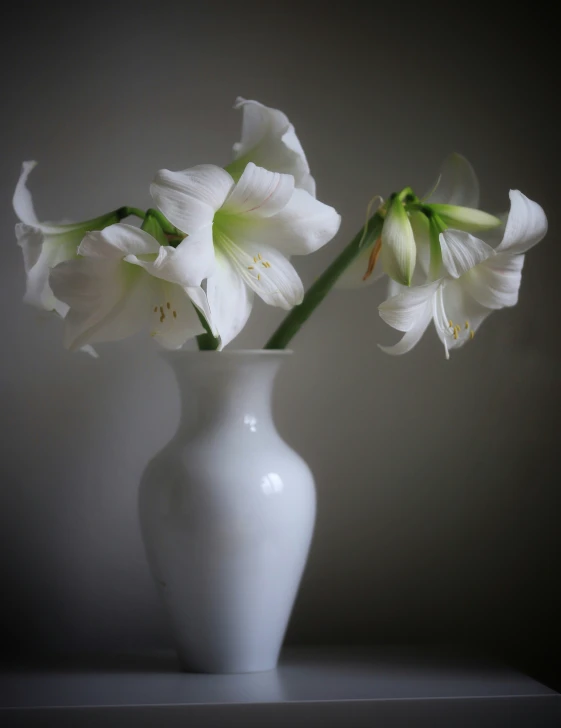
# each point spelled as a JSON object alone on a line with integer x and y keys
{"x": 227, "y": 511}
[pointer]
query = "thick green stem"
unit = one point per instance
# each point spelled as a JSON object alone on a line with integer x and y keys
{"x": 206, "y": 342}
{"x": 319, "y": 290}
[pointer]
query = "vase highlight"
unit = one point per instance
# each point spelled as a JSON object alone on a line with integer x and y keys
{"x": 227, "y": 511}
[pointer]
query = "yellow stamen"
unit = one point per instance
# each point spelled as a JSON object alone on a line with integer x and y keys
{"x": 259, "y": 256}
{"x": 455, "y": 335}
{"x": 450, "y": 323}
{"x": 264, "y": 264}
{"x": 250, "y": 267}
{"x": 175, "y": 314}
{"x": 254, "y": 259}
{"x": 467, "y": 325}
{"x": 155, "y": 309}
{"x": 162, "y": 317}
{"x": 471, "y": 334}
{"x": 259, "y": 276}
{"x": 168, "y": 304}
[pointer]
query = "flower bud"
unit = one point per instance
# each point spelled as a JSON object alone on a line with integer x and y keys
{"x": 465, "y": 218}
{"x": 398, "y": 252}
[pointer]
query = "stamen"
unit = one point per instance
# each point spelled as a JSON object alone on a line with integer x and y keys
{"x": 467, "y": 325}
{"x": 175, "y": 314}
{"x": 250, "y": 267}
{"x": 254, "y": 259}
{"x": 168, "y": 304}
{"x": 455, "y": 334}
{"x": 259, "y": 256}
{"x": 162, "y": 317}
{"x": 259, "y": 276}
{"x": 265, "y": 265}
{"x": 471, "y": 334}
{"x": 450, "y": 323}
{"x": 155, "y": 309}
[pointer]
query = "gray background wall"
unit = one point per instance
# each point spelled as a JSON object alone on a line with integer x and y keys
{"x": 437, "y": 481}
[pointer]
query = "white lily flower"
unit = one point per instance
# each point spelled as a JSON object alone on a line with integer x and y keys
{"x": 241, "y": 235}
{"x": 479, "y": 280}
{"x": 46, "y": 244}
{"x": 121, "y": 282}
{"x": 269, "y": 140}
{"x": 455, "y": 198}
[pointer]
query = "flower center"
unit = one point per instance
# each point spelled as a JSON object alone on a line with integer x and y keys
{"x": 459, "y": 332}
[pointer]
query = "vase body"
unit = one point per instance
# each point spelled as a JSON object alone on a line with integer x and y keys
{"x": 227, "y": 511}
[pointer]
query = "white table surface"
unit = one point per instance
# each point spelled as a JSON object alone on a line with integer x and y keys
{"x": 324, "y": 686}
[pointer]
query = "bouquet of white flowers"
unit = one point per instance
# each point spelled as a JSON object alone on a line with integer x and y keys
{"x": 218, "y": 236}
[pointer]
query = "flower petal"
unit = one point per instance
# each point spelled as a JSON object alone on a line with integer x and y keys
{"x": 117, "y": 241}
{"x": 403, "y": 312}
{"x": 175, "y": 321}
{"x": 398, "y": 254}
{"x": 526, "y": 224}
{"x": 413, "y": 336}
{"x": 464, "y": 311}
{"x": 266, "y": 270}
{"x": 187, "y": 265}
{"x": 303, "y": 226}
{"x": 108, "y": 300}
{"x": 190, "y": 198}
{"x": 22, "y": 201}
{"x": 462, "y": 251}
{"x": 496, "y": 282}
{"x": 269, "y": 140}
{"x": 230, "y": 299}
{"x": 457, "y": 183}
{"x": 259, "y": 193}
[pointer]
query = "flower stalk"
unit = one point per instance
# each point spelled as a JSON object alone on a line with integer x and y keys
{"x": 319, "y": 290}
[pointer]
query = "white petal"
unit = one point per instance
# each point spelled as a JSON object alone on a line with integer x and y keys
{"x": 404, "y": 311}
{"x": 413, "y": 336}
{"x": 190, "y": 198}
{"x": 463, "y": 310}
{"x": 176, "y": 321}
{"x": 107, "y": 300}
{"x": 354, "y": 274}
{"x": 117, "y": 241}
{"x": 230, "y": 299}
{"x": 269, "y": 140}
{"x": 259, "y": 193}
{"x": 398, "y": 254}
{"x": 200, "y": 301}
{"x": 266, "y": 270}
{"x": 420, "y": 227}
{"x": 526, "y": 224}
{"x": 303, "y": 226}
{"x": 457, "y": 183}
{"x": 187, "y": 265}
{"x": 496, "y": 283}
{"x": 30, "y": 239}
{"x": 462, "y": 251}
{"x": 23, "y": 204}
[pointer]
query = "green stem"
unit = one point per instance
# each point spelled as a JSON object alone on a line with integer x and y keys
{"x": 319, "y": 290}
{"x": 206, "y": 342}
{"x": 123, "y": 212}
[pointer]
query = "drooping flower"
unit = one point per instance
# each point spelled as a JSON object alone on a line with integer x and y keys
{"x": 403, "y": 251}
{"x": 269, "y": 140}
{"x": 121, "y": 282}
{"x": 478, "y": 280}
{"x": 241, "y": 236}
{"x": 46, "y": 244}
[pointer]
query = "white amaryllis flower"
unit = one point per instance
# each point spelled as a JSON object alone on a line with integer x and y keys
{"x": 122, "y": 281}
{"x": 479, "y": 279}
{"x": 403, "y": 250}
{"x": 269, "y": 140}
{"x": 241, "y": 236}
{"x": 46, "y": 244}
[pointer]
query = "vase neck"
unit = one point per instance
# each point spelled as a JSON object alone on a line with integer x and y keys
{"x": 231, "y": 388}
